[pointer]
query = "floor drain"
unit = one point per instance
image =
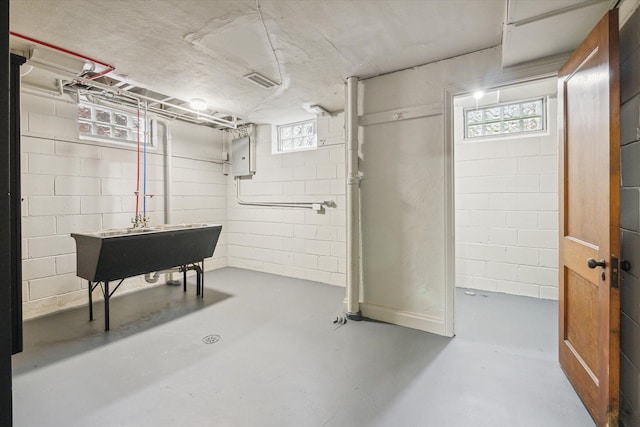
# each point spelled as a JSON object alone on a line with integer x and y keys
{"x": 211, "y": 339}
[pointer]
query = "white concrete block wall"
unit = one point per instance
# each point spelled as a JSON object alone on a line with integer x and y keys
{"x": 629, "y": 222}
{"x": 292, "y": 242}
{"x": 70, "y": 185}
{"x": 507, "y": 212}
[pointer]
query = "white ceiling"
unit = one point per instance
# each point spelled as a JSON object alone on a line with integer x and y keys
{"x": 203, "y": 48}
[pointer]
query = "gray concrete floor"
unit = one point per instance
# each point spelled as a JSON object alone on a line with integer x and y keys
{"x": 280, "y": 361}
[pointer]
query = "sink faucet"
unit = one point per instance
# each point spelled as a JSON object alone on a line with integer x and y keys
{"x": 140, "y": 221}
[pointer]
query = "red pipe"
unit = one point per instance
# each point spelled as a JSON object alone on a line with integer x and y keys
{"x": 68, "y": 52}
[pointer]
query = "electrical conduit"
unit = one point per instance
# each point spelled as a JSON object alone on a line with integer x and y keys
{"x": 201, "y": 117}
{"x": 292, "y": 204}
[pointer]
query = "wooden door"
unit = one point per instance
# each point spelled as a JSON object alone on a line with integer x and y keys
{"x": 589, "y": 339}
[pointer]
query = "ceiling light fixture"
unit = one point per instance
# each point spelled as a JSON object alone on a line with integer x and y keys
{"x": 198, "y": 104}
{"x": 478, "y": 94}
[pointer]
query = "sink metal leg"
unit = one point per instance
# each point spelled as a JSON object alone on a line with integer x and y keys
{"x": 198, "y": 280}
{"x": 198, "y": 267}
{"x": 106, "y": 305}
{"x": 90, "y": 287}
{"x": 202, "y": 279}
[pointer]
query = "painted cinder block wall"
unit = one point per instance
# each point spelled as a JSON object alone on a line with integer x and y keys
{"x": 292, "y": 242}
{"x": 630, "y": 220}
{"x": 407, "y": 184}
{"x": 70, "y": 185}
{"x": 507, "y": 211}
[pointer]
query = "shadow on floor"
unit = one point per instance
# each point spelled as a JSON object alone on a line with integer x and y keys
{"x": 69, "y": 332}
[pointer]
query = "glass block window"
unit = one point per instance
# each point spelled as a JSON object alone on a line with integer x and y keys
{"x": 506, "y": 119}
{"x": 297, "y": 136}
{"x": 97, "y": 122}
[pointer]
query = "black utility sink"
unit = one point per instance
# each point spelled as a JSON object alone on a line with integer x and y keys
{"x": 108, "y": 255}
{"x": 117, "y": 254}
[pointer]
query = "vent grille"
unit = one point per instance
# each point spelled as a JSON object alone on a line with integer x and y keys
{"x": 261, "y": 80}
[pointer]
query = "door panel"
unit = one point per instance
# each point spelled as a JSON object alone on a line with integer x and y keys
{"x": 589, "y": 101}
{"x": 581, "y": 157}
{"x": 581, "y": 329}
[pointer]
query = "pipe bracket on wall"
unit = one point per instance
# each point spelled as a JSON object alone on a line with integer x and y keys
{"x": 434, "y": 109}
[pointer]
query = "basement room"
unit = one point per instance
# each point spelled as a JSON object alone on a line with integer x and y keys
{"x": 320, "y": 213}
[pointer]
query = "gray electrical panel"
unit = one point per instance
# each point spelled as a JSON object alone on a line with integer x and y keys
{"x": 241, "y": 156}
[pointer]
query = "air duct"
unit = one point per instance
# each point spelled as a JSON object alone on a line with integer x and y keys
{"x": 261, "y": 80}
{"x": 62, "y": 63}
{"x": 48, "y": 56}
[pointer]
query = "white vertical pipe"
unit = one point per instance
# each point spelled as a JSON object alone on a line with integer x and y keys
{"x": 353, "y": 199}
{"x": 168, "y": 166}
{"x": 168, "y": 181}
